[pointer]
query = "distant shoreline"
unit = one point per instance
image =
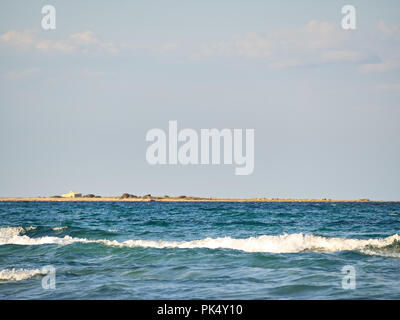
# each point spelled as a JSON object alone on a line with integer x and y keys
{"x": 181, "y": 199}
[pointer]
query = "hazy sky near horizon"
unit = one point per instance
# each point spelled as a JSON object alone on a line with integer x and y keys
{"x": 76, "y": 102}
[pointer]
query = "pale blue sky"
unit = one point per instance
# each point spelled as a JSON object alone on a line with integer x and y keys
{"x": 76, "y": 103}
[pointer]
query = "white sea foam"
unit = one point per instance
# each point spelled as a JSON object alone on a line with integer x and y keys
{"x": 7, "y": 232}
{"x": 59, "y": 228}
{"x": 373, "y": 252}
{"x": 286, "y": 243}
{"x": 17, "y": 274}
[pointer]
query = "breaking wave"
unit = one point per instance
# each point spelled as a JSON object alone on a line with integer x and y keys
{"x": 59, "y": 228}
{"x": 286, "y": 243}
{"x": 17, "y": 274}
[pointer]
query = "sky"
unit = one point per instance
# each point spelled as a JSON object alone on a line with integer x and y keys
{"x": 76, "y": 102}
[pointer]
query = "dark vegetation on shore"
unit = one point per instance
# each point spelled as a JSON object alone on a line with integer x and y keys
{"x": 146, "y": 196}
{"x": 149, "y": 196}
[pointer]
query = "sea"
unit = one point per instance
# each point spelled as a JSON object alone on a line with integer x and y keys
{"x": 199, "y": 250}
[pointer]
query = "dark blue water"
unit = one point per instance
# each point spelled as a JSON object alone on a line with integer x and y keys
{"x": 254, "y": 250}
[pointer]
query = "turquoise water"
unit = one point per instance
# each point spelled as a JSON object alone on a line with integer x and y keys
{"x": 152, "y": 250}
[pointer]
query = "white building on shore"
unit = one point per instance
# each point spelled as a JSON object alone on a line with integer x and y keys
{"x": 72, "y": 194}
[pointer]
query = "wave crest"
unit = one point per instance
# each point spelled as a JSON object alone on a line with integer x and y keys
{"x": 286, "y": 243}
{"x": 17, "y": 274}
{"x": 59, "y": 228}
